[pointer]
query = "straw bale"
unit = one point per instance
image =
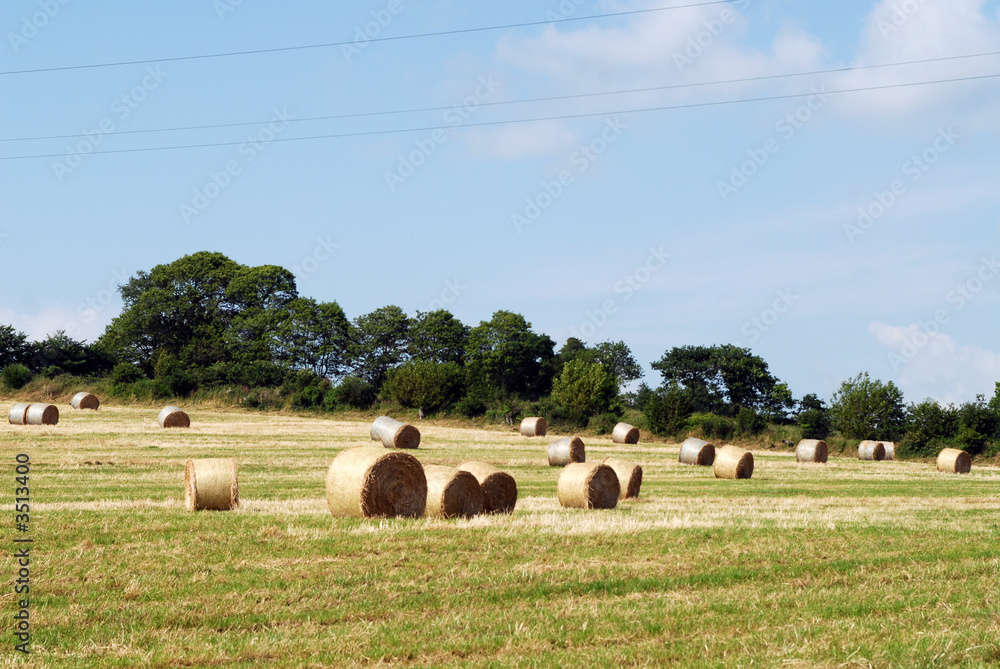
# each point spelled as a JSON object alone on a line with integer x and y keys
{"x": 954, "y": 461}
{"x": 499, "y": 488}
{"x": 629, "y": 476}
{"x": 812, "y": 450}
{"x": 42, "y": 414}
{"x": 588, "y": 486}
{"x": 18, "y": 414}
{"x": 367, "y": 482}
{"x": 173, "y": 417}
{"x": 452, "y": 493}
{"x": 210, "y": 485}
{"x": 732, "y": 462}
{"x": 566, "y": 450}
{"x": 625, "y": 434}
{"x": 85, "y": 400}
{"x": 395, "y": 434}
{"x": 534, "y": 427}
{"x": 871, "y": 450}
{"x": 696, "y": 452}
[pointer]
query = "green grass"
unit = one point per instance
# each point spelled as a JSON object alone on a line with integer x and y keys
{"x": 849, "y": 564}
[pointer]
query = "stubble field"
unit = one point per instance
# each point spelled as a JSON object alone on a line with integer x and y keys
{"x": 846, "y": 564}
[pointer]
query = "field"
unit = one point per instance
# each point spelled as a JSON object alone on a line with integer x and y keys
{"x": 845, "y": 565}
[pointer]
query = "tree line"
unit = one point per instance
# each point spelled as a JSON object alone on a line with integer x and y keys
{"x": 207, "y": 322}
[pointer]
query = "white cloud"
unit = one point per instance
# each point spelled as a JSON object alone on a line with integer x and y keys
{"x": 516, "y": 141}
{"x": 936, "y": 365}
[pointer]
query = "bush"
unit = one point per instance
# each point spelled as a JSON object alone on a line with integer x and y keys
{"x": 710, "y": 426}
{"x": 15, "y": 376}
{"x": 426, "y": 385}
{"x": 666, "y": 410}
{"x": 971, "y": 440}
{"x": 308, "y": 398}
{"x": 351, "y": 392}
{"x": 815, "y": 424}
{"x": 585, "y": 388}
{"x": 749, "y": 423}
{"x": 125, "y": 373}
{"x": 604, "y": 424}
{"x": 471, "y": 407}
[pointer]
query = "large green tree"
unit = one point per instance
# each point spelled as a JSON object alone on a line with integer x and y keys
{"x": 868, "y": 409}
{"x": 315, "y": 336}
{"x": 504, "y": 356}
{"x": 15, "y": 349}
{"x": 381, "y": 341}
{"x": 617, "y": 359}
{"x": 438, "y": 337}
{"x": 721, "y": 379}
{"x": 585, "y": 388}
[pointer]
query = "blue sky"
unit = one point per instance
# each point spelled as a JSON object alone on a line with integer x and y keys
{"x": 830, "y": 233}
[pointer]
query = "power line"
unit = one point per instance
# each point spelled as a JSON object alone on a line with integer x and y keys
{"x": 525, "y": 120}
{"x": 553, "y": 98}
{"x": 325, "y": 45}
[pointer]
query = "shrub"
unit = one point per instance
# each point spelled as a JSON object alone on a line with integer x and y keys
{"x": 748, "y": 422}
{"x": 425, "y": 384}
{"x": 711, "y": 426}
{"x": 585, "y": 388}
{"x": 604, "y": 424}
{"x": 351, "y": 392}
{"x": 866, "y": 409}
{"x": 666, "y": 410}
{"x": 125, "y": 373}
{"x": 471, "y": 407}
{"x": 308, "y": 398}
{"x": 815, "y": 424}
{"x": 15, "y": 376}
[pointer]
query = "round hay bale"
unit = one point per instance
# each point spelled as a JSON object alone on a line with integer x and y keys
{"x": 534, "y": 427}
{"x": 210, "y": 485}
{"x": 18, "y": 414}
{"x": 890, "y": 449}
{"x": 499, "y": 488}
{"x": 42, "y": 414}
{"x": 368, "y": 482}
{"x": 696, "y": 452}
{"x": 871, "y": 450}
{"x": 732, "y": 462}
{"x": 625, "y": 434}
{"x": 452, "y": 493}
{"x": 954, "y": 461}
{"x": 812, "y": 450}
{"x": 566, "y": 450}
{"x": 629, "y": 476}
{"x": 86, "y": 401}
{"x": 173, "y": 417}
{"x": 395, "y": 434}
{"x": 588, "y": 486}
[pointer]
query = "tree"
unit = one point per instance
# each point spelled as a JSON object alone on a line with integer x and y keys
{"x": 61, "y": 353}
{"x": 381, "y": 340}
{"x": 14, "y": 347}
{"x": 426, "y": 385}
{"x": 720, "y": 379}
{"x": 438, "y": 337}
{"x": 666, "y": 409}
{"x": 315, "y": 336}
{"x": 585, "y": 388}
{"x": 867, "y": 409}
{"x": 813, "y": 418}
{"x": 617, "y": 358}
{"x": 504, "y": 356}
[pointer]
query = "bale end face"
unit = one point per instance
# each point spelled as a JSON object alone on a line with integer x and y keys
{"x": 499, "y": 488}
{"x": 625, "y": 434}
{"x": 732, "y": 462}
{"x": 588, "y": 486}
{"x": 210, "y": 485}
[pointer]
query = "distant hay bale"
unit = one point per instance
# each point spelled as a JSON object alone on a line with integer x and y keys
{"x": 85, "y": 400}
{"x": 696, "y": 452}
{"x": 812, "y": 450}
{"x": 395, "y": 434}
{"x": 629, "y": 476}
{"x": 499, "y": 488}
{"x": 173, "y": 417}
{"x": 588, "y": 486}
{"x": 210, "y": 485}
{"x": 890, "y": 449}
{"x": 566, "y": 450}
{"x": 625, "y": 434}
{"x": 534, "y": 427}
{"x": 732, "y": 462}
{"x": 452, "y": 493}
{"x": 42, "y": 414}
{"x": 954, "y": 461}
{"x": 871, "y": 450}
{"x": 18, "y": 414}
{"x": 368, "y": 482}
